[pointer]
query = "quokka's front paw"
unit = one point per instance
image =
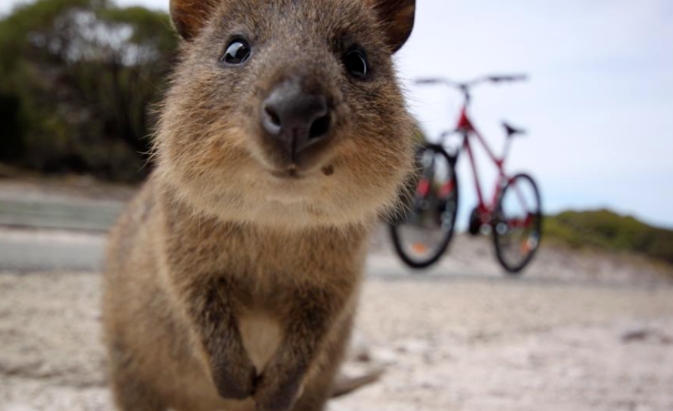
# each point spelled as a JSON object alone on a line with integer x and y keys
{"x": 235, "y": 381}
{"x": 276, "y": 394}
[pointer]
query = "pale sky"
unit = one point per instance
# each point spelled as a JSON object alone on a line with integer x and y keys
{"x": 598, "y": 106}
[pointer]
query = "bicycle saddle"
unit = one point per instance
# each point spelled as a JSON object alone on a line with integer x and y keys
{"x": 512, "y": 130}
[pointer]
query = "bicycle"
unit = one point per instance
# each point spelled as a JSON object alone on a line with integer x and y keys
{"x": 514, "y": 215}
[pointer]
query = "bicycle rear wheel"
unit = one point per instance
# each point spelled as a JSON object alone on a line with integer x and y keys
{"x": 424, "y": 231}
{"x": 517, "y": 227}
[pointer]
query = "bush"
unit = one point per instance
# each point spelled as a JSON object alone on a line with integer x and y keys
{"x": 78, "y": 79}
{"x": 604, "y": 229}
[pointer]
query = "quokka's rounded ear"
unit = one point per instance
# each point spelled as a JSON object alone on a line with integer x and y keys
{"x": 189, "y": 16}
{"x": 397, "y": 19}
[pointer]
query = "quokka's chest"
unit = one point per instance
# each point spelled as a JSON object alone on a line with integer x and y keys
{"x": 262, "y": 334}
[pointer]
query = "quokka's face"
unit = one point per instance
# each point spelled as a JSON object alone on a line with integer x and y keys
{"x": 288, "y": 111}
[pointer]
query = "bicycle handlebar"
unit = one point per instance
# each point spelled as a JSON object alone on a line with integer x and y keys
{"x": 428, "y": 81}
{"x": 465, "y": 85}
{"x": 514, "y": 77}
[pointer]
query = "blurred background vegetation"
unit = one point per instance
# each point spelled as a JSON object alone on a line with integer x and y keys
{"x": 78, "y": 82}
{"x": 607, "y": 230}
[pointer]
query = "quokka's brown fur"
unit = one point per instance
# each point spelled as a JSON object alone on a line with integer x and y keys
{"x": 232, "y": 279}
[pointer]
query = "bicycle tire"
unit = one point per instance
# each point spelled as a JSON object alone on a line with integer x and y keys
{"x": 443, "y": 245}
{"x": 510, "y": 268}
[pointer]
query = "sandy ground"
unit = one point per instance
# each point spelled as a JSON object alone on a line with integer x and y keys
{"x": 579, "y": 331}
{"x": 449, "y": 343}
{"x": 480, "y": 346}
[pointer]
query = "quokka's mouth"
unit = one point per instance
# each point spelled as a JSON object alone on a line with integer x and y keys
{"x": 290, "y": 173}
{"x": 297, "y": 172}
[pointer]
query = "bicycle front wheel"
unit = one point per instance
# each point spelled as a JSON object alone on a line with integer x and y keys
{"x": 517, "y": 226}
{"x": 424, "y": 231}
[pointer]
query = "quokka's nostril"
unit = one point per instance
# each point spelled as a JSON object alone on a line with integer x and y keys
{"x": 319, "y": 127}
{"x": 275, "y": 120}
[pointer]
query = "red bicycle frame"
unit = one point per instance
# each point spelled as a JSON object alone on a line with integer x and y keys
{"x": 465, "y": 127}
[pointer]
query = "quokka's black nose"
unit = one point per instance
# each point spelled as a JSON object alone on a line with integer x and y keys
{"x": 294, "y": 118}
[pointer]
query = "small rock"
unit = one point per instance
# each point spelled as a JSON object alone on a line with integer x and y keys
{"x": 636, "y": 334}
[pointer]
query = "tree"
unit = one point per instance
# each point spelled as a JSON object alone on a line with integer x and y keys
{"x": 79, "y": 80}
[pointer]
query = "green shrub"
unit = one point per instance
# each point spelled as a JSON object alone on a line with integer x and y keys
{"x": 77, "y": 102}
{"x": 604, "y": 229}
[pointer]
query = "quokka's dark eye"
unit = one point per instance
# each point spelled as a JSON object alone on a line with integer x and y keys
{"x": 237, "y": 52}
{"x": 355, "y": 62}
